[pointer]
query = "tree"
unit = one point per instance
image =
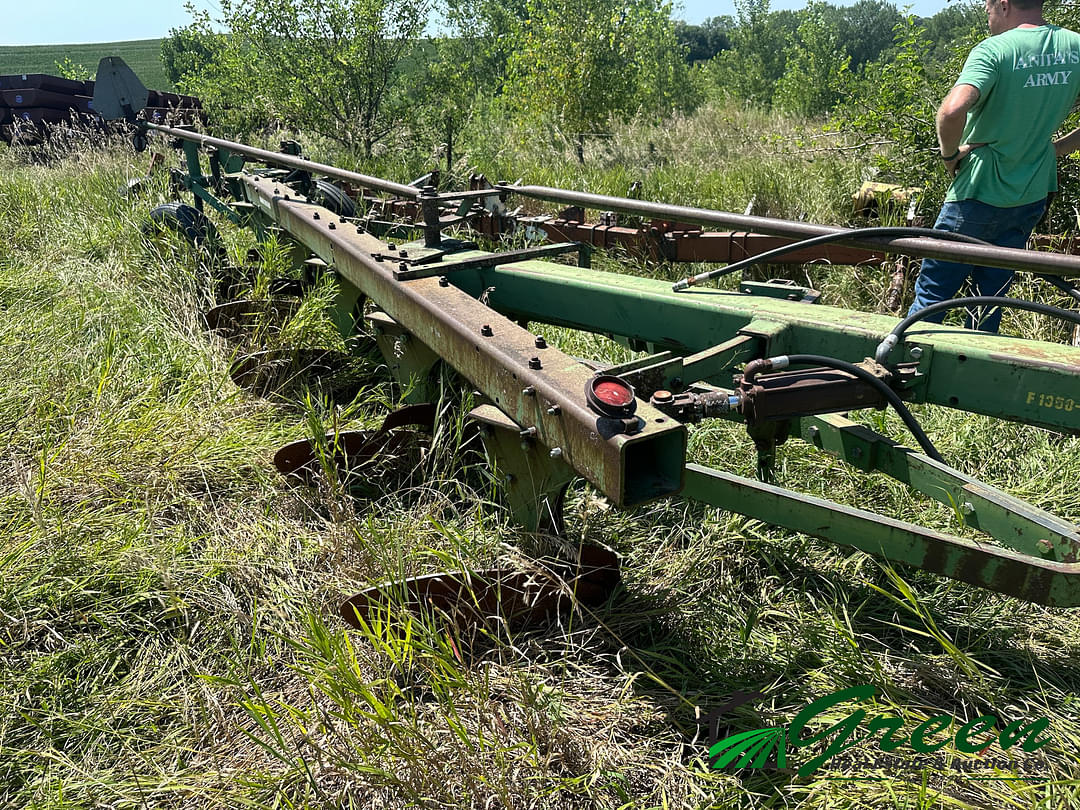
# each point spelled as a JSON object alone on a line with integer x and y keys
{"x": 191, "y": 50}
{"x": 581, "y": 62}
{"x": 327, "y": 66}
{"x": 866, "y": 29}
{"x": 758, "y": 56}
{"x": 816, "y": 64}
{"x": 703, "y": 42}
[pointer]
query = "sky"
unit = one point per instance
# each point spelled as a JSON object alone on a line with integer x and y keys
{"x": 49, "y": 22}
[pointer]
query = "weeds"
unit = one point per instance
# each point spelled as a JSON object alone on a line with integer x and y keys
{"x": 167, "y": 602}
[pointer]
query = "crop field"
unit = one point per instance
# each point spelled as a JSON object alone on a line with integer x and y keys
{"x": 143, "y": 55}
{"x": 169, "y": 633}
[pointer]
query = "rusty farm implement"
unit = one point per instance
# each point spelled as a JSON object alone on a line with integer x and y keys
{"x": 766, "y": 355}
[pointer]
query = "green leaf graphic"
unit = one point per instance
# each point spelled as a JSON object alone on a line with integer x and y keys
{"x": 750, "y": 748}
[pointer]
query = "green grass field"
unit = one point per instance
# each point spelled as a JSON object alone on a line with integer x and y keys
{"x": 143, "y": 55}
{"x": 168, "y": 604}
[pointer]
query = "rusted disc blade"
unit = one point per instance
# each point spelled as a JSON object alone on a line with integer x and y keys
{"x": 359, "y": 456}
{"x": 476, "y": 598}
{"x": 236, "y": 319}
{"x": 272, "y": 370}
{"x": 391, "y": 447}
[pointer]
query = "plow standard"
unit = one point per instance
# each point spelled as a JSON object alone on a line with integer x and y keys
{"x": 766, "y": 355}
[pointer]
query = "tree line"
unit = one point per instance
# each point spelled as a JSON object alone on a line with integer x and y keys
{"x": 357, "y": 71}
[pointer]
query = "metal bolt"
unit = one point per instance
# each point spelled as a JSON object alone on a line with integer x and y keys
{"x": 856, "y": 452}
{"x": 916, "y": 352}
{"x": 815, "y": 435}
{"x": 402, "y": 267}
{"x": 341, "y": 220}
{"x": 556, "y": 452}
{"x": 315, "y": 215}
{"x": 534, "y": 363}
{"x": 444, "y": 281}
{"x": 287, "y": 197}
{"x": 1045, "y": 545}
{"x": 277, "y": 190}
{"x": 527, "y": 433}
{"x": 404, "y": 254}
{"x": 529, "y": 391}
{"x": 540, "y": 342}
{"x": 486, "y": 330}
{"x": 554, "y": 410}
{"x": 333, "y": 226}
{"x": 967, "y": 507}
{"x": 391, "y": 246}
{"x": 676, "y": 383}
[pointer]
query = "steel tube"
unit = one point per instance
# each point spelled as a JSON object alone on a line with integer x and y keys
{"x": 291, "y": 162}
{"x": 925, "y": 247}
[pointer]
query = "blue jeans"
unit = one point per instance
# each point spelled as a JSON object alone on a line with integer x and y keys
{"x": 941, "y": 280}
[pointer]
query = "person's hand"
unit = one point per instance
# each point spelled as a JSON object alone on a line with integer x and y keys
{"x": 953, "y": 166}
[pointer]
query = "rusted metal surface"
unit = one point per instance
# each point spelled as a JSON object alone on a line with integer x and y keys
{"x": 360, "y": 456}
{"x": 43, "y": 81}
{"x": 427, "y": 270}
{"x": 291, "y": 162}
{"x": 992, "y": 256}
{"x": 272, "y": 370}
{"x": 496, "y": 355}
{"x": 496, "y": 596}
{"x": 235, "y": 320}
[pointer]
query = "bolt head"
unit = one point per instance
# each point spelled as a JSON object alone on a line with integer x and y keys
{"x": 916, "y": 352}
{"x": 556, "y": 452}
{"x": 444, "y": 281}
{"x": 534, "y": 363}
{"x": 486, "y": 330}
{"x": 540, "y": 343}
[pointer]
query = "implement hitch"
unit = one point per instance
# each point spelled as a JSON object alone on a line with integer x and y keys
{"x": 547, "y": 417}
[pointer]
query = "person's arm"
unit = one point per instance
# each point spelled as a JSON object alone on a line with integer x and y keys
{"x": 1067, "y": 144}
{"x": 951, "y": 118}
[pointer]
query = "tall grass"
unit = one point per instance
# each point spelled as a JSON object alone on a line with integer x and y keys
{"x": 168, "y": 603}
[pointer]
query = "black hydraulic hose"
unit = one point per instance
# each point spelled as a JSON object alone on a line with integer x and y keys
{"x": 843, "y": 365}
{"x": 886, "y": 346}
{"x": 1057, "y": 281}
{"x": 947, "y": 236}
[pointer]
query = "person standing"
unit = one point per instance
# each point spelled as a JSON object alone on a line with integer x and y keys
{"x": 995, "y": 130}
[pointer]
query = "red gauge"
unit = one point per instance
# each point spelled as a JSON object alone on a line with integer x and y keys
{"x": 610, "y": 396}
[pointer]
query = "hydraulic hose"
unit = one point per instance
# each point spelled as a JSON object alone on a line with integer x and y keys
{"x": 886, "y": 346}
{"x": 783, "y": 361}
{"x": 775, "y": 253}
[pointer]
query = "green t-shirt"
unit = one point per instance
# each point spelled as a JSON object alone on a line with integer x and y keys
{"x": 1027, "y": 80}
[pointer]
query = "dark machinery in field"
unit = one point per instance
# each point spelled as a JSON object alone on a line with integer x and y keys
{"x": 548, "y": 417}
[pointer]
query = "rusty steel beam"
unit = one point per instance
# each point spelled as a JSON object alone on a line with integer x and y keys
{"x": 290, "y": 162}
{"x": 925, "y": 247}
{"x": 539, "y": 387}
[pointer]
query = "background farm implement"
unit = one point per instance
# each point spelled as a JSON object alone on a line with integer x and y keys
{"x": 766, "y": 355}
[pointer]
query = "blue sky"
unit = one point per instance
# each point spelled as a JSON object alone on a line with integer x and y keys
{"x": 64, "y": 21}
